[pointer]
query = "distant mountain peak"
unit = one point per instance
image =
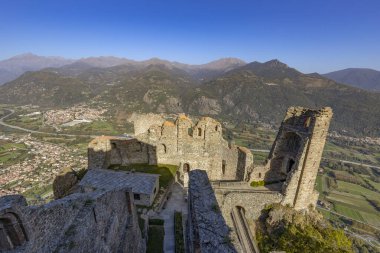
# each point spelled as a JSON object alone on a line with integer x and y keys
{"x": 223, "y": 63}
{"x": 275, "y": 63}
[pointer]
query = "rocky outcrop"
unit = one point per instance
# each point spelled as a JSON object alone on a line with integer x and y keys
{"x": 64, "y": 183}
{"x": 206, "y": 106}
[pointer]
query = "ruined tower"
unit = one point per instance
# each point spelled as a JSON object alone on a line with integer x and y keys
{"x": 296, "y": 154}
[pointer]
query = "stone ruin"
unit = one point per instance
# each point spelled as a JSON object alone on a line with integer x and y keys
{"x": 289, "y": 174}
{"x": 183, "y": 143}
{"x": 296, "y": 155}
{"x": 292, "y": 164}
{"x": 220, "y": 198}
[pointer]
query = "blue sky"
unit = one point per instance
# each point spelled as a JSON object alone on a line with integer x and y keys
{"x": 312, "y": 36}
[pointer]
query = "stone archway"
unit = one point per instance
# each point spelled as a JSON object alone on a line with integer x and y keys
{"x": 12, "y": 233}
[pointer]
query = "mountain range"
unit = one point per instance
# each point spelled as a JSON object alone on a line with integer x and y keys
{"x": 227, "y": 89}
{"x": 367, "y": 79}
{"x": 13, "y": 67}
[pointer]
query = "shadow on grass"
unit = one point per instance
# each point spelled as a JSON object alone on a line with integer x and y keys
{"x": 166, "y": 172}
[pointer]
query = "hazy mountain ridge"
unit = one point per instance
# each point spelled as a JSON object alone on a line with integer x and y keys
{"x": 13, "y": 67}
{"x": 368, "y": 79}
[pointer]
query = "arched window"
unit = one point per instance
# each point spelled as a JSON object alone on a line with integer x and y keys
{"x": 216, "y": 128}
{"x": 224, "y": 167}
{"x": 186, "y": 168}
{"x": 12, "y": 233}
{"x": 307, "y": 122}
{"x": 260, "y": 175}
{"x": 162, "y": 149}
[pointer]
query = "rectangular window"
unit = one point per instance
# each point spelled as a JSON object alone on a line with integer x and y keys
{"x": 136, "y": 196}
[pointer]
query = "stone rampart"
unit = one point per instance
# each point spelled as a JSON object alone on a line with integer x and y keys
{"x": 81, "y": 222}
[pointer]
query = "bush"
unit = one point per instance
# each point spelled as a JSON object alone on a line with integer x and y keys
{"x": 257, "y": 183}
{"x": 156, "y": 236}
{"x": 283, "y": 228}
{"x": 157, "y": 222}
{"x": 178, "y": 230}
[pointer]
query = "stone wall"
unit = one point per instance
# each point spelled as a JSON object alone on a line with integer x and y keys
{"x": 142, "y": 122}
{"x": 252, "y": 202}
{"x": 82, "y": 222}
{"x": 211, "y": 206}
{"x": 183, "y": 143}
{"x": 105, "y": 151}
{"x": 199, "y": 145}
{"x": 207, "y": 229}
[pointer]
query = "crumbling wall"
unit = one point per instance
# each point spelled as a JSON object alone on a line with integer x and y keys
{"x": 81, "y": 222}
{"x": 296, "y": 154}
{"x": 183, "y": 143}
{"x": 142, "y": 122}
{"x": 199, "y": 145}
{"x": 105, "y": 151}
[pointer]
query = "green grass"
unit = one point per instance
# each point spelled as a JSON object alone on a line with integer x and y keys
{"x": 95, "y": 127}
{"x": 319, "y": 184}
{"x": 155, "y": 239}
{"x": 259, "y": 157}
{"x": 12, "y": 152}
{"x": 41, "y": 191}
{"x": 357, "y": 190}
{"x": 166, "y": 172}
{"x": 348, "y": 211}
{"x": 178, "y": 231}
{"x": 371, "y": 218}
{"x": 375, "y": 184}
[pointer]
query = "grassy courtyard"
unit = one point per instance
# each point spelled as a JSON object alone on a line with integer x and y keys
{"x": 167, "y": 172}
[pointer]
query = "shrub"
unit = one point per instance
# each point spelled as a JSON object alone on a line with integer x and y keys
{"x": 178, "y": 230}
{"x": 283, "y": 228}
{"x": 257, "y": 183}
{"x": 158, "y": 222}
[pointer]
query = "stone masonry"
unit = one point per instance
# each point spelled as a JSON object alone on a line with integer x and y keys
{"x": 289, "y": 174}
{"x": 181, "y": 143}
{"x": 296, "y": 154}
{"x": 99, "y": 221}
